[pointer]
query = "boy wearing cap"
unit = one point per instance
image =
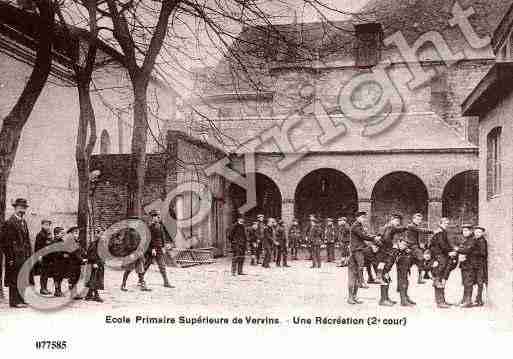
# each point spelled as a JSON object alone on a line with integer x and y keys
{"x": 281, "y": 247}
{"x": 465, "y": 251}
{"x": 294, "y": 238}
{"x": 480, "y": 261}
{"x": 57, "y": 262}
{"x": 17, "y": 250}
{"x": 330, "y": 235}
{"x": 313, "y": 238}
{"x": 76, "y": 260}
{"x": 343, "y": 239}
{"x": 96, "y": 271}
{"x": 416, "y": 244}
{"x": 43, "y": 239}
{"x": 238, "y": 240}
{"x": 260, "y": 236}
{"x": 360, "y": 240}
{"x": 156, "y": 249}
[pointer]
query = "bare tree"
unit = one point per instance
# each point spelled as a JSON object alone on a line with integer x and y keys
{"x": 83, "y": 64}
{"x": 13, "y": 123}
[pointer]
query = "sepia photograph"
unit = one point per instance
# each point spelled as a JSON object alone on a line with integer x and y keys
{"x": 211, "y": 172}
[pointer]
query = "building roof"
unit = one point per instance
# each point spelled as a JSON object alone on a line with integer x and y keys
{"x": 261, "y": 48}
{"x": 495, "y": 86}
{"x": 411, "y": 132}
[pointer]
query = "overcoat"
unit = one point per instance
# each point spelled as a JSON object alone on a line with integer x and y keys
{"x": 15, "y": 241}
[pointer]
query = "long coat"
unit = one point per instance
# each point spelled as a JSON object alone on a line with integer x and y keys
{"x": 17, "y": 249}
{"x": 96, "y": 279}
{"x": 313, "y": 235}
{"x": 440, "y": 248}
{"x": 238, "y": 239}
{"x": 43, "y": 239}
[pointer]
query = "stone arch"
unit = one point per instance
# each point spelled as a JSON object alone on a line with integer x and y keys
{"x": 268, "y": 196}
{"x": 398, "y": 191}
{"x": 325, "y": 192}
{"x": 460, "y": 198}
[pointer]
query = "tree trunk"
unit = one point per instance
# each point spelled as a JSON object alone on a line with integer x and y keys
{"x": 83, "y": 150}
{"x": 14, "y": 122}
{"x": 139, "y": 141}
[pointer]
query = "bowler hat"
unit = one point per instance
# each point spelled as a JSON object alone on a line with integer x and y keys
{"x": 481, "y": 228}
{"x": 20, "y": 202}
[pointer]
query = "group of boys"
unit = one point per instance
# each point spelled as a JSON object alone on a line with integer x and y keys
{"x": 58, "y": 264}
{"x": 403, "y": 246}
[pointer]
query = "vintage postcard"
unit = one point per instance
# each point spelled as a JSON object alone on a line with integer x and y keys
{"x": 185, "y": 176}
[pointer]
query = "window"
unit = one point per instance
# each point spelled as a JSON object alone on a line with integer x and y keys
{"x": 494, "y": 162}
{"x": 104, "y": 143}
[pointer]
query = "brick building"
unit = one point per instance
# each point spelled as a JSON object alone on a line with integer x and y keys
{"x": 170, "y": 175}
{"x": 44, "y": 171}
{"x": 492, "y": 102}
{"x": 425, "y": 161}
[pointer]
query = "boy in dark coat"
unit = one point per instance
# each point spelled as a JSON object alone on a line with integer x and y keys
{"x": 97, "y": 270}
{"x": 43, "y": 239}
{"x": 480, "y": 263}
{"x": 238, "y": 240}
{"x": 57, "y": 262}
{"x": 76, "y": 259}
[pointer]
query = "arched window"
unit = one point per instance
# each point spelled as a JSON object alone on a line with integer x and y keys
{"x": 494, "y": 162}
{"x": 104, "y": 143}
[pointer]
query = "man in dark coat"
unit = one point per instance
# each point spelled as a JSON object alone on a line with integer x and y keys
{"x": 330, "y": 237}
{"x": 415, "y": 239}
{"x": 260, "y": 237}
{"x": 269, "y": 241}
{"x": 343, "y": 230}
{"x": 159, "y": 237}
{"x": 295, "y": 235}
{"x": 442, "y": 252}
{"x": 281, "y": 239}
{"x": 238, "y": 240}
{"x": 43, "y": 240}
{"x": 17, "y": 249}
{"x": 387, "y": 255}
{"x": 360, "y": 240}
{"x": 252, "y": 242}
{"x": 465, "y": 251}
{"x": 313, "y": 237}
{"x": 480, "y": 263}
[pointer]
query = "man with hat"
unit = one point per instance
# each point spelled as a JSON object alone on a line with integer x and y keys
{"x": 294, "y": 238}
{"x": 360, "y": 240}
{"x": 252, "y": 241}
{"x": 269, "y": 241}
{"x": 159, "y": 237}
{"x": 313, "y": 238}
{"x": 281, "y": 247}
{"x": 238, "y": 239}
{"x": 17, "y": 249}
{"x": 330, "y": 236}
{"x": 416, "y": 244}
{"x": 465, "y": 251}
{"x": 260, "y": 236}
{"x": 480, "y": 263}
{"x": 386, "y": 256}
{"x": 343, "y": 240}
{"x": 442, "y": 253}
{"x": 131, "y": 241}
{"x": 43, "y": 239}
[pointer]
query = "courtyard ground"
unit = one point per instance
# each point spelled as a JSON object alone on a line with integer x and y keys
{"x": 210, "y": 289}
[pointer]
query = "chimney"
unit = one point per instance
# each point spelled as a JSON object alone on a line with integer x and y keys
{"x": 369, "y": 40}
